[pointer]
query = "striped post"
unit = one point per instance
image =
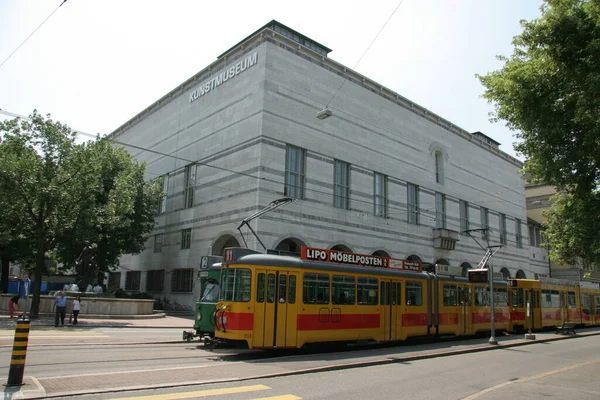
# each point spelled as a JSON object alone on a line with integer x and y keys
{"x": 17, "y": 361}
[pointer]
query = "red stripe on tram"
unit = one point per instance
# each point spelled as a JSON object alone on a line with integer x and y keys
{"x": 315, "y": 322}
{"x": 238, "y": 321}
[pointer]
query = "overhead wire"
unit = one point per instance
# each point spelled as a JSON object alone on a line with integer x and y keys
{"x": 34, "y": 31}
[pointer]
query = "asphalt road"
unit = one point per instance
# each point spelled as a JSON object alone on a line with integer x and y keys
{"x": 562, "y": 369}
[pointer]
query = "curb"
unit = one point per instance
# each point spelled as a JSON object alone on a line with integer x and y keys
{"x": 325, "y": 368}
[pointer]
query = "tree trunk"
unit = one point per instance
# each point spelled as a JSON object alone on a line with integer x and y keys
{"x": 39, "y": 270}
{"x": 4, "y": 277}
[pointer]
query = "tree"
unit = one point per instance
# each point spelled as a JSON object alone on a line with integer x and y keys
{"x": 548, "y": 91}
{"x": 39, "y": 161}
{"x": 63, "y": 196}
{"x": 569, "y": 224}
{"x": 118, "y": 218}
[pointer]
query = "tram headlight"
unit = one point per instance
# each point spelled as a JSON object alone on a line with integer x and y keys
{"x": 223, "y": 320}
{"x": 199, "y": 316}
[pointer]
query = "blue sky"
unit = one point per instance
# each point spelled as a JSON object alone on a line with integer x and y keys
{"x": 97, "y": 63}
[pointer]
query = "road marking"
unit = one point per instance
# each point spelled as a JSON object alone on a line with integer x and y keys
{"x": 529, "y": 379}
{"x": 282, "y": 397}
{"x": 200, "y": 393}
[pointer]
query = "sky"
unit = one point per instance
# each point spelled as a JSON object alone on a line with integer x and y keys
{"x": 97, "y": 63}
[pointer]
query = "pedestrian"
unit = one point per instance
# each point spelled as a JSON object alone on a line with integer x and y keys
{"x": 76, "y": 308}
{"x": 13, "y": 304}
{"x": 60, "y": 303}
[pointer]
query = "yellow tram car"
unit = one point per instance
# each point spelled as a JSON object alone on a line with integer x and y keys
{"x": 271, "y": 301}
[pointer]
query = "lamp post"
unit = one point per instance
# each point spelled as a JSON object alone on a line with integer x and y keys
{"x": 493, "y": 314}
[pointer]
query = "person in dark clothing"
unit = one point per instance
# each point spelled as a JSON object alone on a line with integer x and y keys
{"x": 13, "y": 304}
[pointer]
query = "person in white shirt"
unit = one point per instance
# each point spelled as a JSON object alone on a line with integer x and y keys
{"x": 76, "y": 308}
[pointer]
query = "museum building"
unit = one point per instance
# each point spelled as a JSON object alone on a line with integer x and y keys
{"x": 372, "y": 173}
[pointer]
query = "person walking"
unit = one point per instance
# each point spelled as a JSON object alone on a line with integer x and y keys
{"x": 13, "y": 304}
{"x": 76, "y": 308}
{"x": 60, "y": 303}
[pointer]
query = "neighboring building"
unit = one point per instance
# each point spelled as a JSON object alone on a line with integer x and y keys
{"x": 538, "y": 201}
{"x": 382, "y": 175}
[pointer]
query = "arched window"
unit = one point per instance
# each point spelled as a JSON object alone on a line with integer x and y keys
{"x": 342, "y": 247}
{"x": 381, "y": 253}
{"x": 521, "y": 274}
{"x": 439, "y": 167}
{"x": 505, "y": 273}
{"x": 465, "y": 268}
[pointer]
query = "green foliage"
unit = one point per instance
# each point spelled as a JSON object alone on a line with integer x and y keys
{"x": 57, "y": 196}
{"x": 573, "y": 229}
{"x": 548, "y": 91}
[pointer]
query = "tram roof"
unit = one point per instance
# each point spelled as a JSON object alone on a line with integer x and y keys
{"x": 250, "y": 257}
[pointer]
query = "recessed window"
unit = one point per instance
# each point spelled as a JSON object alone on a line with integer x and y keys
{"x": 132, "y": 280}
{"x": 341, "y": 184}
{"x": 485, "y": 222}
{"x": 440, "y": 210}
{"x": 380, "y": 195}
{"x": 518, "y": 236}
{"x": 181, "y": 280}
{"x": 186, "y": 238}
{"x": 189, "y": 185}
{"x": 439, "y": 167}
{"x": 158, "y": 242}
{"x": 463, "y": 207}
{"x": 164, "y": 182}
{"x": 155, "y": 280}
{"x": 502, "y": 224}
{"x": 413, "y": 203}
{"x": 294, "y": 172}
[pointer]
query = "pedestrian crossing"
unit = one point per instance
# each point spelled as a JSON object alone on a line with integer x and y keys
{"x": 216, "y": 392}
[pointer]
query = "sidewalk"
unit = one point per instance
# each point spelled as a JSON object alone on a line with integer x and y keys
{"x": 157, "y": 320}
{"x": 270, "y": 367}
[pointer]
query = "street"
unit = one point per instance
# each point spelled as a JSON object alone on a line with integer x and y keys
{"x": 562, "y": 368}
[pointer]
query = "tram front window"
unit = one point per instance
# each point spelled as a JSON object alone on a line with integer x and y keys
{"x": 236, "y": 284}
{"x": 210, "y": 293}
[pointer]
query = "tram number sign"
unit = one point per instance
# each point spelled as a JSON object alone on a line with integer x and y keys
{"x": 478, "y": 275}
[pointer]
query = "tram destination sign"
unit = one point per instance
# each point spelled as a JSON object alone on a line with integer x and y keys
{"x": 365, "y": 260}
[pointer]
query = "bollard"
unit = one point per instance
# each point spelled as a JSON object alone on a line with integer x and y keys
{"x": 19, "y": 352}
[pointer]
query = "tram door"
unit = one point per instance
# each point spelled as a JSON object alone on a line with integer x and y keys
{"x": 390, "y": 296}
{"x": 275, "y": 312}
{"x": 464, "y": 310}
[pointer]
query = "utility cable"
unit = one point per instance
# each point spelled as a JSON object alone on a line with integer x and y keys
{"x": 36, "y": 29}
{"x": 361, "y": 57}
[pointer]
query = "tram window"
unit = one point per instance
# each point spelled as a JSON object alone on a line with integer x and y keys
{"x": 585, "y": 300}
{"x": 414, "y": 293}
{"x": 572, "y": 300}
{"x": 546, "y": 299}
{"x": 450, "y": 295}
{"x": 555, "y": 299}
{"x": 501, "y": 299}
{"x": 271, "y": 288}
{"x": 292, "y": 293}
{"x": 343, "y": 289}
{"x": 398, "y": 291}
{"x": 482, "y": 296}
{"x": 211, "y": 292}
{"x": 384, "y": 298}
{"x": 260, "y": 288}
{"x": 597, "y": 304}
{"x": 236, "y": 284}
{"x": 367, "y": 291}
{"x": 316, "y": 289}
{"x": 282, "y": 288}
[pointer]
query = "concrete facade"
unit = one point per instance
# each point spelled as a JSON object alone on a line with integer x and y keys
{"x": 235, "y": 136}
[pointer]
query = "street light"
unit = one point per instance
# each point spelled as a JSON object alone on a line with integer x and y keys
{"x": 324, "y": 113}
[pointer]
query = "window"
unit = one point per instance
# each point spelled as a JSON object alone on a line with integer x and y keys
{"x": 236, "y": 284}
{"x": 294, "y": 172}
{"x": 482, "y": 296}
{"x": 439, "y": 167}
{"x": 114, "y": 281}
{"x": 367, "y": 291}
{"x": 158, "y": 242}
{"x": 440, "y": 210}
{"x": 517, "y": 298}
{"x": 316, "y": 289}
{"x": 260, "y": 288}
{"x": 341, "y": 184}
{"x": 189, "y": 185}
{"x": 413, "y": 204}
{"x": 572, "y": 301}
{"x": 155, "y": 280}
{"x": 164, "y": 182}
{"x": 380, "y": 195}
{"x": 502, "y": 226}
{"x": 414, "y": 293}
{"x": 271, "y": 288}
{"x": 463, "y": 209}
{"x": 132, "y": 280}
{"x": 501, "y": 299}
{"x": 186, "y": 238}
{"x": 597, "y": 297}
{"x": 485, "y": 222}
{"x": 182, "y": 280}
{"x": 450, "y": 295}
{"x": 343, "y": 290}
{"x": 292, "y": 292}
{"x": 518, "y": 237}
